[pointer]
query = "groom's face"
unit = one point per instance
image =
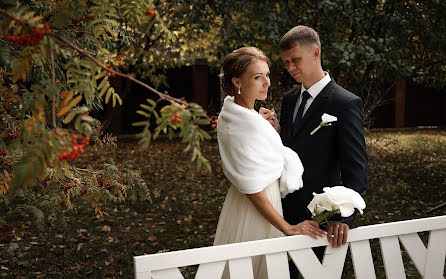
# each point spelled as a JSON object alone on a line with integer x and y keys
{"x": 299, "y": 61}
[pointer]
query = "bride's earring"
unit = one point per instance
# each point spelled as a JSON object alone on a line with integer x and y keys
{"x": 238, "y": 90}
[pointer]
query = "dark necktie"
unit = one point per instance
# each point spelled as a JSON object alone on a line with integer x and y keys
{"x": 300, "y": 110}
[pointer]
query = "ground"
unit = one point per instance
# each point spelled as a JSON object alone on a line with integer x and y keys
{"x": 406, "y": 178}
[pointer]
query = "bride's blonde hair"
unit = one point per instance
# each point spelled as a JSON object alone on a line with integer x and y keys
{"x": 235, "y": 64}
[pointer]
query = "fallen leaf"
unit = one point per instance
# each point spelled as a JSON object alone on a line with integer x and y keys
{"x": 106, "y": 228}
{"x": 152, "y": 238}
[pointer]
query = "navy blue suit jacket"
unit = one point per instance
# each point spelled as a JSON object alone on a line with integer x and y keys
{"x": 334, "y": 155}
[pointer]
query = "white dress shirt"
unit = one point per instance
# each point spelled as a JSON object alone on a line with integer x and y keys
{"x": 313, "y": 91}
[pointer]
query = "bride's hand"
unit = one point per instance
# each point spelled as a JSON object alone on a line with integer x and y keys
{"x": 310, "y": 228}
{"x": 271, "y": 116}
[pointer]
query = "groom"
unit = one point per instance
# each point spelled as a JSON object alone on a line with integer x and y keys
{"x": 333, "y": 155}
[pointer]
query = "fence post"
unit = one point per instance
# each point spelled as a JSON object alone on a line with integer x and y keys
{"x": 400, "y": 103}
{"x": 200, "y": 74}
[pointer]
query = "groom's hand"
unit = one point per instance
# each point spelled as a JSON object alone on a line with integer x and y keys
{"x": 271, "y": 116}
{"x": 337, "y": 234}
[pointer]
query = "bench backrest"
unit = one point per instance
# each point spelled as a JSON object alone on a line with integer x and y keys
{"x": 429, "y": 261}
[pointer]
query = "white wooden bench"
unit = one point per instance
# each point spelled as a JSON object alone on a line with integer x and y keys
{"x": 429, "y": 261}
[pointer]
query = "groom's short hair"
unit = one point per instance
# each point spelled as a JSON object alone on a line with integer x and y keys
{"x": 300, "y": 34}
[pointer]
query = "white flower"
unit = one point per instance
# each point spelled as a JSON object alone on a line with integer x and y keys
{"x": 327, "y": 119}
{"x": 320, "y": 203}
{"x": 347, "y": 199}
{"x": 337, "y": 198}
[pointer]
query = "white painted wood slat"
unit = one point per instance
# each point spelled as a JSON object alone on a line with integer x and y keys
{"x": 362, "y": 259}
{"x": 415, "y": 248}
{"x": 277, "y": 266}
{"x": 210, "y": 270}
{"x": 171, "y": 273}
{"x": 334, "y": 259}
{"x": 241, "y": 268}
{"x": 436, "y": 254}
{"x": 393, "y": 262}
{"x": 310, "y": 266}
{"x": 143, "y": 275}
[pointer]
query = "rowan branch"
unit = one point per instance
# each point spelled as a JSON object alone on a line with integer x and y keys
{"x": 97, "y": 62}
{"x": 53, "y": 72}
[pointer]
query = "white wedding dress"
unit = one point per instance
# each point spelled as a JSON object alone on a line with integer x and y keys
{"x": 240, "y": 221}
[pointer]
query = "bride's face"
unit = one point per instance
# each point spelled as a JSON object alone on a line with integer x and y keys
{"x": 254, "y": 82}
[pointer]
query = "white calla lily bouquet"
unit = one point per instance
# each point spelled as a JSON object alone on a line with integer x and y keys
{"x": 337, "y": 199}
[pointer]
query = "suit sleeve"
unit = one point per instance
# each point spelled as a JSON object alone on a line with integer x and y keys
{"x": 352, "y": 150}
{"x": 351, "y": 146}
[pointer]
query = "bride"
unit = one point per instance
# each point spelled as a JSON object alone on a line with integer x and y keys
{"x": 261, "y": 170}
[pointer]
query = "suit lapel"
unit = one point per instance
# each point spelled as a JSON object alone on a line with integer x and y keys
{"x": 315, "y": 106}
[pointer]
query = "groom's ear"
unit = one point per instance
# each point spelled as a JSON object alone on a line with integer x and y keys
{"x": 316, "y": 52}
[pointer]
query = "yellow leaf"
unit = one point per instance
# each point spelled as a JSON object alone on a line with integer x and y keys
{"x": 23, "y": 74}
{"x": 34, "y": 19}
{"x": 68, "y": 98}
{"x": 65, "y": 109}
{"x": 75, "y": 101}
{"x": 11, "y": 24}
{"x": 41, "y": 113}
{"x": 8, "y": 178}
{"x": 3, "y": 189}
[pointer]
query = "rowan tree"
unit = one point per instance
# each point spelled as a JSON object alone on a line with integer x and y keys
{"x": 56, "y": 62}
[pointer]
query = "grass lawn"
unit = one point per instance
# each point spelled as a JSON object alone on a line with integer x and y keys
{"x": 406, "y": 178}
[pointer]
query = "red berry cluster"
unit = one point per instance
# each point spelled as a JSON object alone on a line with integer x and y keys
{"x": 103, "y": 183}
{"x": 70, "y": 185}
{"x": 76, "y": 150}
{"x": 31, "y": 39}
{"x": 82, "y": 18}
{"x": 175, "y": 118}
{"x": 110, "y": 74}
{"x": 214, "y": 123}
{"x": 3, "y": 151}
{"x": 14, "y": 134}
{"x": 150, "y": 12}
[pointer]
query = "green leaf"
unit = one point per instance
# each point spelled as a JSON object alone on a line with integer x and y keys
{"x": 143, "y": 113}
{"x": 110, "y": 91}
{"x": 87, "y": 118}
{"x": 146, "y": 107}
{"x": 140, "y": 123}
{"x": 86, "y": 129}
{"x": 202, "y": 121}
{"x": 103, "y": 83}
{"x": 69, "y": 117}
{"x": 151, "y": 102}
